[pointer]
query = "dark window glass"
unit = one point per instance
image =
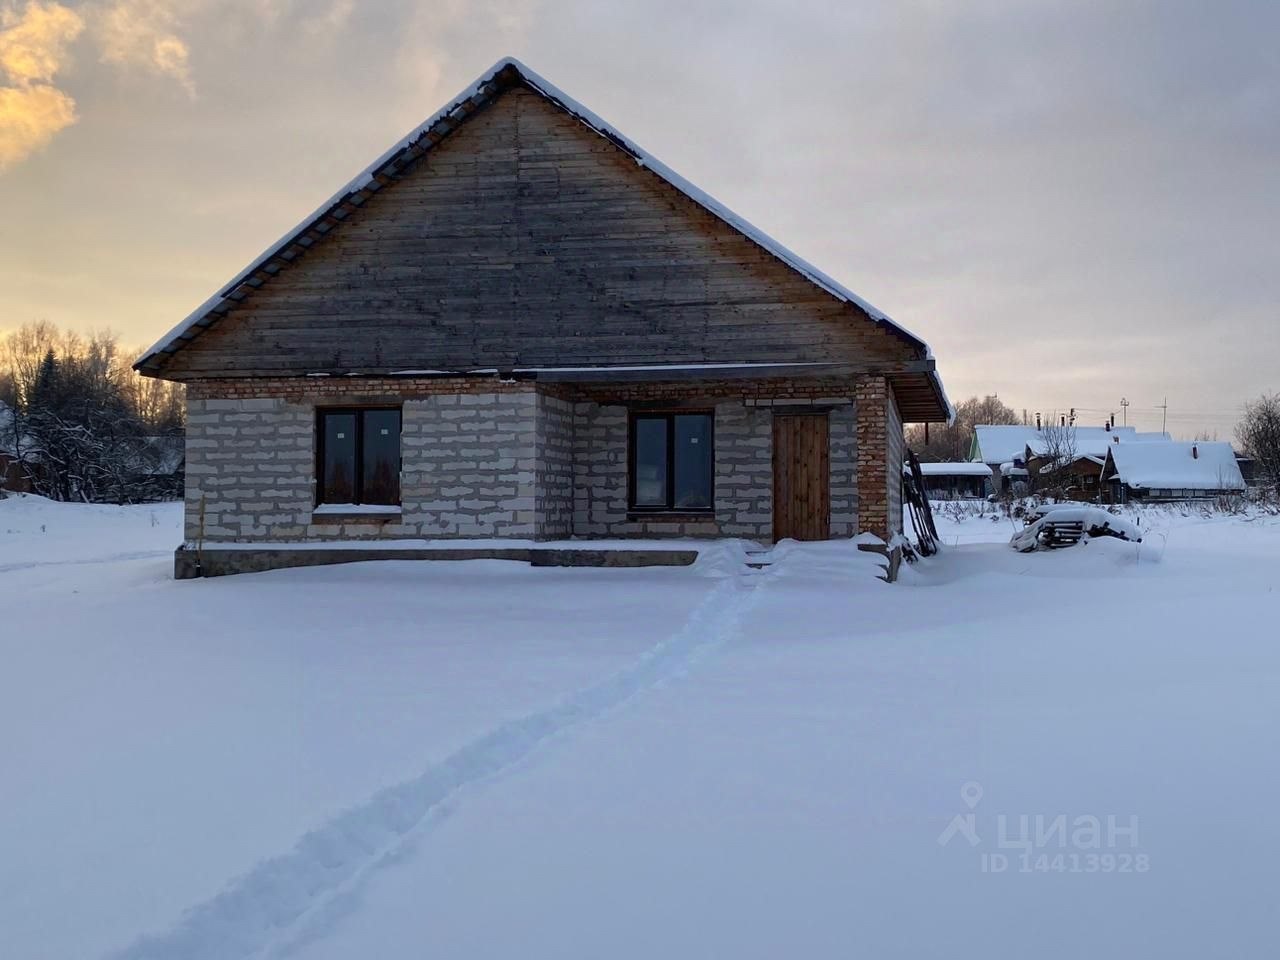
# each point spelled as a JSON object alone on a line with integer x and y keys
{"x": 651, "y": 462}
{"x": 339, "y": 467}
{"x": 381, "y": 457}
{"x": 672, "y": 461}
{"x": 359, "y": 456}
{"x": 693, "y": 462}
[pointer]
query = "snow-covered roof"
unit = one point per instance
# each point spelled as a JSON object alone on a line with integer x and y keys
{"x": 1200, "y": 465}
{"x": 1086, "y": 440}
{"x": 416, "y": 142}
{"x": 1000, "y": 443}
{"x": 955, "y": 470}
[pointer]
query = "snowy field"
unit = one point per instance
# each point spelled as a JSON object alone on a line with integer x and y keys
{"x": 482, "y": 759}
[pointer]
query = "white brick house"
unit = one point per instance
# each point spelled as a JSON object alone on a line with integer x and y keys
{"x": 518, "y": 325}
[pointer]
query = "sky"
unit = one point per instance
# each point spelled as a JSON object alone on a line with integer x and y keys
{"x": 1073, "y": 201}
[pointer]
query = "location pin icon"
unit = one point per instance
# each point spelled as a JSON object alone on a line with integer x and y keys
{"x": 971, "y": 793}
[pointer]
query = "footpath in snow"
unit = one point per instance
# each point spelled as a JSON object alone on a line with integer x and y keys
{"x": 263, "y": 913}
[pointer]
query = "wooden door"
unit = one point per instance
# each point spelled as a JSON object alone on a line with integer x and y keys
{"x": 801, "y": 477}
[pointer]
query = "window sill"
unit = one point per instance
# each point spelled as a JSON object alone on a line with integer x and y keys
{"x": 355, "y": 513}
{"x": 672, "y": 516}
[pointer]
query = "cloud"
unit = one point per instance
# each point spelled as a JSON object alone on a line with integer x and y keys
{"x": 144, "y": 34}
{"x": 33, "y": 45}
{"x": 33, "y": 48}
{"x": 29, "y": 119}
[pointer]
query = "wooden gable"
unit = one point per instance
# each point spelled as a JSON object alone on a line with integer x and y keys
{"x": 525, "y": 239}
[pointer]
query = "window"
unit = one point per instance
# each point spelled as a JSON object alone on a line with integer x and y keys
{"x": 359, "y": 456}
{"x": 672, "y": 462}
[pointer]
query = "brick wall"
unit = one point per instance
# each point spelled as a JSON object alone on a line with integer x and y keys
{"x": 844, "y": 462}
{"x": 249, "y": 467}
{"x": 896, "y": 451}
{"x": 553, "y": 471}
{"x": 744, "y": 471}
{"x": 743, "y": 476}
{"x": 872, "y": 399}
{"x": 469, "y": 465}
{"x": 881, "y": 447}
{"x": 486, "y": 458}
{"x": 332, "y": 391}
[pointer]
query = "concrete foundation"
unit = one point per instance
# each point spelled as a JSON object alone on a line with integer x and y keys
{"x": 190, "y": 563}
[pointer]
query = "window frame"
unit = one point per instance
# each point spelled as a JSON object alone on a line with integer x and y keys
{"x": 358, "y": 480}
{"x": 669, "y": 415}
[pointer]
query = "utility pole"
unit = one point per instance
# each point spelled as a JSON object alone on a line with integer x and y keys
{"x": 1164, "y": 417}
{"x": 1125, "y": 403}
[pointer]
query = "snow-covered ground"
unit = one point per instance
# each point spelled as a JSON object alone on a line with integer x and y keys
{"x": 482, "y": 759}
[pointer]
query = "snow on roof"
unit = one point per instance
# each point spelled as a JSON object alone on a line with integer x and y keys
{"x": 1087, "y": 440}
{"x": 1202, "y": 465}
{"x": 955, "y": 470}
{"x": 548, "y": 90}
{"x": 999, "y": 443}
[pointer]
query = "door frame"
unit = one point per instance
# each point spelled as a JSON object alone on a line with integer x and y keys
{"x": 784, "y": 515}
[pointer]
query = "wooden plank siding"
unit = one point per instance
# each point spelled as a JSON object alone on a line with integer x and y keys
{"x": 524, "y": 239}
{"x": 801, "y": 477}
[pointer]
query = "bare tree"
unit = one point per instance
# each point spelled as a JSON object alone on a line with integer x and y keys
{"x": 1059, "y": 448}
{"x": 82, "y": 424}
{"x": 23, "y": 351}
{"x": 1259, "y": 434}
{"x": 160, "y": 404}
{"x": 951, "y": 442}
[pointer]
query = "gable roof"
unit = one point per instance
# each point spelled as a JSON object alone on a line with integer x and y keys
{"x": 1202, "y": 465}
{"x": 1001, "y": 443}
{"x": 1094, "y": 441}
{"x": 504, "y": 74}
{"x": 955, "y": 470}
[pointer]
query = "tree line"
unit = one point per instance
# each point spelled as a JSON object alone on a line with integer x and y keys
{"x": 80, "y": 424}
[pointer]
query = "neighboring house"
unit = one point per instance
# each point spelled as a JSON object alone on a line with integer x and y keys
{"x": 956, "y": 481}
{"x": 1010, "y": 450}
{"x": 1078, "y": 477}
{"x": 518, "y": 324}
{"x": 1069, "y": 460}
{"x": 1248, "y": 469}
{"x": 1014, "y": 479}
{"x": 13, "y": 472}
{"x": 1003, "y": 449}
{"x": 13, "y": 476}
{"x": 156, "y": 471}
{"x": 1170, "y": 471}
